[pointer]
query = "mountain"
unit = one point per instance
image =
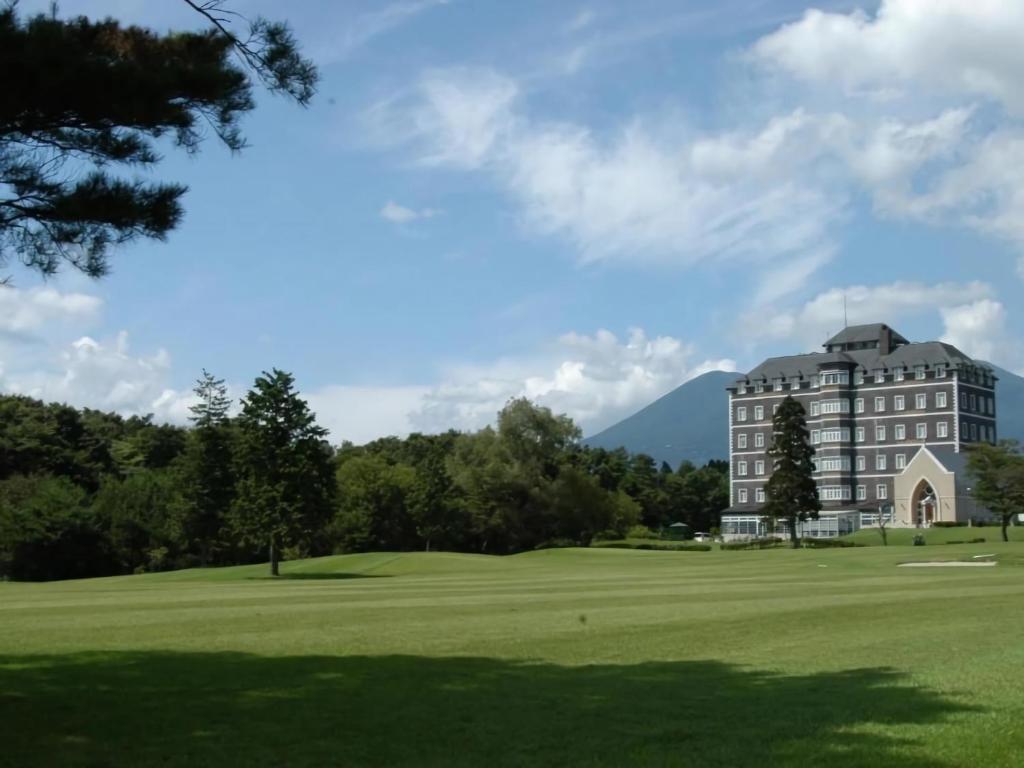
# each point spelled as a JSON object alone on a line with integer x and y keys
{"x": 692, "y": 421}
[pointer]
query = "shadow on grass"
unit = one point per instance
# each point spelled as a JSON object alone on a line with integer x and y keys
{"x": 205, "y": 709}
{"x": 310, "y": 576}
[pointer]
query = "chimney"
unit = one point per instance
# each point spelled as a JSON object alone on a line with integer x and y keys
{"x": 885, "y": 341}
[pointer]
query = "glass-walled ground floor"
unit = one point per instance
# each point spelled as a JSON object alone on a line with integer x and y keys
{"x": 829, "y": 525}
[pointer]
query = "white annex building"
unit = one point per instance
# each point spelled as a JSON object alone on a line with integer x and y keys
{"x": 889, "y": 421}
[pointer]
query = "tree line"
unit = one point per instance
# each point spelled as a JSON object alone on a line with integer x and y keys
{"x": 88, "y": 493}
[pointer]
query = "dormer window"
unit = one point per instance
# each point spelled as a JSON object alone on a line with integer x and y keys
{"x": 897, "y": 373}
{"x": 879, "y": 375}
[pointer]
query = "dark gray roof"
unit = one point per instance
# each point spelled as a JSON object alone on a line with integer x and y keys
{"x": 860, "y": 333}
{"x": 907, "y": 356}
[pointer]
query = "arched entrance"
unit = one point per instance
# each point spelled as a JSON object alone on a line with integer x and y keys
{"x": 924, "y": 505}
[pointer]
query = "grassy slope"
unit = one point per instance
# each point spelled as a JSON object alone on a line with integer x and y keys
{"x": 905, "y": 536}
{"x": 582, "y": 657}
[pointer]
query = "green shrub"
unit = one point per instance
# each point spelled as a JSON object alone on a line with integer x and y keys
{"x": 641, "y": 532}
{"x": 919, "y": 540}
{"x": 766, "y": 543}
{"x": 829, "y": 543}
{"x": 660, "y": 546}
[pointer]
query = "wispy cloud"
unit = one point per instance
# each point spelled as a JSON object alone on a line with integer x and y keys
{"x": 368, "y": 26}
{"x": 399, "y": 214}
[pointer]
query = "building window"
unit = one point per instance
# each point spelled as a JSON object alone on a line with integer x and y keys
{"x": 899, "y": 403}
{"x": 880, "y": 433}
{"x": 974, "y": 402}
{"x": 860, "y": 434}
{"x": 879, "y": 404}
{"x": 940, "y": 399}
{"x": 963, "y": 400}
{"x": 741, "y": 495}
{"x": 882, "y": 491}
{"x": 758, "y": 412}
{"x": 879, "y": 375}
{"x": 814, "y": 381}
{"x": 741, "y": 413}
{"x": 922, "y": 431}
{"x": 919, "y": 372}
{"x": 835, "y": 435}
{"x": 942, "y": 429}
{"x": 921, "y": 401}
{"x": 758, "y": 388}
{"x": 901, "y": 461}
{"x": 758, "y": 468}
{"x": 940, "y": 371}
{"x": 741, "y": 469}
{"x": 963, "y": 430}
{"x": 815, "y": 408}
{"x": 897, "y": 373}
{"x": 759, "y": 440}
{"x": 741, "y": 389}
{"x": 835, "y": 406}
{"x": 815, "y": 436}
{"x": 834, "y": 493}
{"x": 741, "y": 440}
{"x": 775, "y": 409}
{"x": 858, "y": 377}
{"x": 974, "y": 431}
{"x": 835, "y": 377}
{"x": 899, "y": 431}
{"x": 833, "y": 464}
{"x": 858, "y": 405}
{"x": 862, "y": 492}
{"x": 759, "y": 495}
{"x": 862, "y": 463}
{"x": 777, "y": 385}
{"x": 880, "y": 462}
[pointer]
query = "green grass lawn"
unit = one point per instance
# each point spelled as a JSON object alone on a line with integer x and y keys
{"x": 905, "y": 536}
{"x": 609, "y": 657}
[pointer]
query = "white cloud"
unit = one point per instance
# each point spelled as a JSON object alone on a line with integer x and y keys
{"x": 27, "y": 311}
{"x": 399, "y": 214}
{"x": 823, "y": 315}
{"x": 979, "y": 329}
{"x": 103, "y": 375}
{"x": 358, "y": 31}
{"x": 948, "y": 46}
{"x": 595, "y": 379}
{"x": 361, "y": 414}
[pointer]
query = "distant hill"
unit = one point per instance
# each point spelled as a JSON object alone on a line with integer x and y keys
{"x": 692, "y": 421}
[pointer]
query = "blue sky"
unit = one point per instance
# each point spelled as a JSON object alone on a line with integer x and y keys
{"x": 584, "y": 203}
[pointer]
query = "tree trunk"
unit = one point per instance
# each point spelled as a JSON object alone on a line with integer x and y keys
{"x": 428, "y": 545}
{"x": 792, "y": 533}
{"x": 885, "y": 538}
{"x": 274, "y": 569}
{"x": 1006, "y": 523}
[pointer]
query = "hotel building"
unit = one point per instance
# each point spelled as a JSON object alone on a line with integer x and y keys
{"x": 889, "y": 421}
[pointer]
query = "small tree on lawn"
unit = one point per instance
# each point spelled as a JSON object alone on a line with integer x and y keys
{"x": 998, "y": 473}
{"x": 286, "y": 486}
{"x": 792, "y": 492}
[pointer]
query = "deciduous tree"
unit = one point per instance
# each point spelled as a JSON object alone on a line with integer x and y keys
{"x": 998, "y": 472}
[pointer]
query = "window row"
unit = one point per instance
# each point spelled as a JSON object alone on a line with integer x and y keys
{"x": 742, "y": 440}
{"x": 742, "y": 467}
{"x": 975, "y": 432}
{"x": 743, "y": 496}
{"x": 741, "y": 412}
{"x": 976, "y": 404}
{"x": 899, "y": 432}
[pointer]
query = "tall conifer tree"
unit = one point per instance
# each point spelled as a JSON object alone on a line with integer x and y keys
{"x": 286, "y": 482}
{"x": 792, "y": 492}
